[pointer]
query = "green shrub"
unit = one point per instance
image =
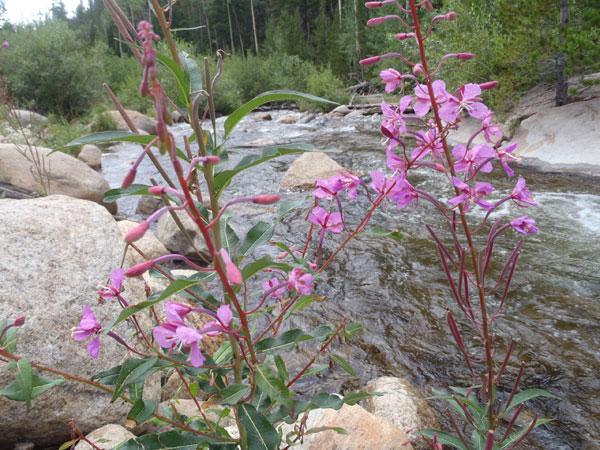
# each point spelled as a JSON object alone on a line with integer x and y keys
{"x": 323, "y": 83}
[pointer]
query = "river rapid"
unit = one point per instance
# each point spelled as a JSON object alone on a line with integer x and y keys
{"x": 399, "y": 292}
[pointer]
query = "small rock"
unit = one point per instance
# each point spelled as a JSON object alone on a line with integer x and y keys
{"x": 307, "y": 169}
{"x": 91, "y": 155}
{"x": 288, "y": 118}
{"x": 148, "y": 244}
{"x": 261, "y": 116}
{"x": 174, "y": 240}
{"x": 24, "y": 446}
{"x": 141, "y": 121}
{"x": 341, "y": 110}
{"x": 147, "y": 205}
{"x": 177, "y": 117}
{"x": 307, "y": 118}
{"x": 263, "y": 143}
{"x": 356, "y": 112}
{"x": 106, "y": 437}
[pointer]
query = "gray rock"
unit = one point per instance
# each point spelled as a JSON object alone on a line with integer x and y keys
{"x": 147, "y": 205}
{"x": 54, "y": 252}
{"x": 106, "y": 437}
{"x": 91, "y": 155}
{"x": 288, "y": 118}
{"x": 262, "y": 143}
{"x": 468, "y": 127}
{"x": 174, "y": 240}
{"x": 148, "y": 244}
{"x": 341, "y": 110}
{"x": 402, "y": 404}
{"x": 562, "y": 138}
{"x": 67, "y": 175}
{"x": 24, "y": 446}
{"x": 28, "y": 118}
{"x": 307, "y": 118}
{"x": 141, "y": 121}
{"x": 307, "y": 169}
{"x": 261, "y": 116}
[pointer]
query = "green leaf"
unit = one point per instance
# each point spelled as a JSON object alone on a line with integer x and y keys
{"x": 514, "y": 437}
{"x": 9, "y": 339}
{"x": 377, "y": 231}
{"x": 173, "y": 440}
{"x": 39, "y": 386}
{"x": 261, "y": 434}
{"x": 229, "y": 237}
{"x": 321, "y": 429}
{"x": 257, "y": 235}
{"x": 133, "y": 371}
{"x": 343, "y": 364}
{"x": 281, "y": 369}
{"x": 352, "y": 398}
{"x": 136, "y": 391}
{"x": 266, "y": 97}
{"x": 181, "y": 80}
{"x": 442, "y": 437}
{"x": 192, "y": 72}
{"x": 254, "y": 267}
{"x": 224, "y": 178}
{"x": 141, "y": 411}
{"x": 303, "y": 302}
{"x": 478, "y": 440}
{"x": 68, "y": 444}
{"x": 109, "y": 136}
{"x": 288, "y": 340}
{"x": 233, "y": 393}
{"x": 289, "y": 205}
{"x": 116, "y": 193}
{"x": 522, "y": 397}
{"x": 272, "y": 385}
{"x": 25, "y": 380}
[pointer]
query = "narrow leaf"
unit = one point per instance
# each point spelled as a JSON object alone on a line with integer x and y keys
{"x": 281, "y": 369}
{"x": 109, "y": 136}
{"x": 442, "y": 437}
{"x": 377, "y": 231}
{"x": 261, "y": 434}
{"x": 233, "y": 393}
{"x": 273, "y": 386}
{"x": 528, "y": 394}
{"x": 135, "y": 189}
{"x": 343, "y": 364}
{"x": 141, "y": 411}
{"x": 257, "y": 235}
{"x": 25, "y": 380}
{"x": 39, "y": 386}
{"x": 133, "y": 371}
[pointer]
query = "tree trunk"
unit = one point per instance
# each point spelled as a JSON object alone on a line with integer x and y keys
{"x": 254, "y": 26}
{"x": 230, "y": 28}
{"x": 357, "y": 38}
{"x": 210, "y": 43}
{"x": 340, "y": 11}
{"x": 562, "y": 84}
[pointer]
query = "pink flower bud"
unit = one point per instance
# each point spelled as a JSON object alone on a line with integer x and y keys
{"x": 233, "y": 274}
{"x": 267, "y": 199}
{"x": 137, "y": 232}
{"x": 19, "y": 321}
{"x": 139, "y": 269}
{"x": 403, "y": 36}
{"x": 418, "y": 69}
{"x": 156, "y": 190}
{"x": 488, "y": 85}
{"x": 375, "y": 21}
{"x": 373, "y": 5}
{"x": 369, "y": 61}
{"x": 439, "y": 167}
{"x": 429, "y": 6}
{"x": 451, "y": 16}
{"x": 465, "y": 56}
{"x": 129, "y": 178}
{"x": 212, "y": 160}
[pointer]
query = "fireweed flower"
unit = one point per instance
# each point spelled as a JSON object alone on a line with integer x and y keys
{"x": 505, "y": 155}
{"x": 88, "y": 326}
{"x": 394, "y": 124}
{"x": 475, "y": 159}
{"x": 380, "y": 183}
{"x": 470, "y": 195}
{"x": 350, "y": 182}
{"x": 490, "y": 130}
{"x": 218, "y": 327}
{"x": 174, "y": 334}
{"x": 403, "y": 194}
{"x": 391, "y": 78}
{"x": 427, "y": 143}
{"x": 467, "y": 100}
{"x": 326, "y": 220}
{"x": 300, "y": 281}
{"x": 277, "y": 293}
{"x": 522, "y": 195}
{"x": 524, "y": 225}
{"x": 114, "y": 287}
{"x": 395, "y": 162}
{"x": 423, "y": 103}
{"x": 328, "y": 188}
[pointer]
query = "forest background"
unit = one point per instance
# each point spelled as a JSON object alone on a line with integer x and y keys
{"x": 57, "y": 66}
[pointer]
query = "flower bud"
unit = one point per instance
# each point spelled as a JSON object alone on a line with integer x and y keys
{"x": 373, "y": 5}
{"x": 488, "y": 85}
{"x": 267, "y": 199}
{"x": 139, "y": 269}
{"x": 451, "y": 16}
{"x": 233, "y": 274}
{"x": 369, "y": 61}
{"x": 402, "y": 36}
{"x": 137, "y": 232}
{"x": 156, "y": 190}
{"x": 5, "y": 44}
{"x": 439, "y": 167}
{"x": 429, "y": 6}
{"x": 129, "y": 178}
{"x": 212, "y": 160}
{"x": 375, "y": 21}
{"x": 465, "y": 56}
{"x": 19, "y": 321}
{"x": 418, "y": 69}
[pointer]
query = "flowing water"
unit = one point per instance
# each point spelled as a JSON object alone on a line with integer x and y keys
{"x": 398, "y": 290}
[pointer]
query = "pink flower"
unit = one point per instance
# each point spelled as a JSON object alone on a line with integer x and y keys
{"x": 350, "y": 182}
{"x": 403, "y": 194}
{"x": 476, "y": 159}
{"x": 391, "y": 78}
{"x": 88, "y": 326}
{"x": 393, "y": 124}
{"x": 489, "y": 130}
{"x": 300, "y": 281}
{"x": 114, "y": 287}
{"x": 505, "y": 155}
{"x": 427, "y": 143}
{"x": 221, "y": 326}
{"x": 395, "y": 162}
{"x": 326, "y": 220}
{"x": 328, "y": 188}
{"x": 524, "y": 225}
{"x": 469, "y": 195}
{"x": 468, "y": 100}
{"x": 423, "y": 103}
{"x": 277, "y": 293}
{"x": 521, "y": 194}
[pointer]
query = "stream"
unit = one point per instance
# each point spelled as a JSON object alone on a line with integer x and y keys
{"x": 398, "y": 291}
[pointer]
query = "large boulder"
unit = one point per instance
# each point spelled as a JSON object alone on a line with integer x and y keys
{"x": 27, "y": 118}
{"x": 307, "y": 169}
{"x": 175, "y": 241}
{"x": 141, "y": 121}
{"x": 562, "y": 138}
{"x": 54, "y": 252}
{"x": 91, "y": 155}
{"x": 468, "y": 127}
{"x": 66, "y": 174}
{"x": 402, "y": 404}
